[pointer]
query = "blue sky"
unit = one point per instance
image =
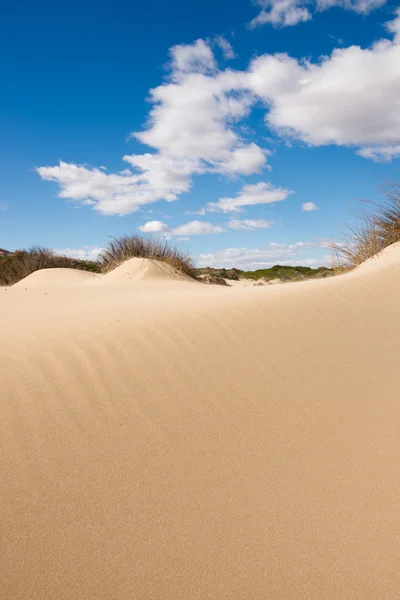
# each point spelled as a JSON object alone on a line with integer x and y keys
{"x": 244, "y": 132}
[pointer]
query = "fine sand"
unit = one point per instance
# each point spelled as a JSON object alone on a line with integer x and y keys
{"x": 166, "y": 440}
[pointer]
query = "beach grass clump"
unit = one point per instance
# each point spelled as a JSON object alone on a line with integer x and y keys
{"x": 378, "y": 228}
{"x": 123, "y": 248}
{"x": 21, "y": 263}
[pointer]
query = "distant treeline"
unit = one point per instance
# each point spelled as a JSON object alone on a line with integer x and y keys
{"x": 282, "y": 272}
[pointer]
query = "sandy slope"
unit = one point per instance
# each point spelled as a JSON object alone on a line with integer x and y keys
{"x": 181, "y": 441}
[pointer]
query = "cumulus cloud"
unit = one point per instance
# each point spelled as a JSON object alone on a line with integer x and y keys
{"x": 332, "y": 101}
{"x": 85, "y": 253}
{"x": 193, "y": 118}
{"x": 182, "y": 231}
{"x": 154, "y": 227}
{"x": 272, "y": 254}
{"x": 309, "y": 206}
{"x": 286, "y": 13}
{"x": 250, "y": 195}
{"x": 249, "y": 224}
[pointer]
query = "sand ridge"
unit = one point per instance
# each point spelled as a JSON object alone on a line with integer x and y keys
{"x": 201, "y": 442}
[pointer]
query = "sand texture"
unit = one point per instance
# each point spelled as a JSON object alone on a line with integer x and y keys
{"x": 162, "y": 439}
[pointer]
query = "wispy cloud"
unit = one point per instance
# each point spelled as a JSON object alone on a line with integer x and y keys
{"x": 281, "y": 13}
{"x": 286, "y": 13}
{"x": 182, "y": 231}
{"x": 249, "y": 224}
{"x": 226, "y": 47}
{"x": 250, "y": 195}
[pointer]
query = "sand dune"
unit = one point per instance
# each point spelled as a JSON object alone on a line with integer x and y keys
{"x": 197, "y": 442}
{"x": 143, "y": 269}
{"x": 48, "y": 278}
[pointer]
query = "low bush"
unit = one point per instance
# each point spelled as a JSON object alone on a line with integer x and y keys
{"x": 18, "y": 265}
{"x": 378, "y": 228}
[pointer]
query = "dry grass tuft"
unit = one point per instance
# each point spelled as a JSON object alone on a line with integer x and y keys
{"x": 133, "y": 246}
{"x": 378, "y": 229}
{"x": 22, "y": 263}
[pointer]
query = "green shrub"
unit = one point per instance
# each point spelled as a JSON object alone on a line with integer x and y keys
{"x": 20, "y": 264}
{"x": 287, "y": 273}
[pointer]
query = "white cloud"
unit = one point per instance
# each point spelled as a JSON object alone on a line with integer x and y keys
{"x": 270, "y": 255}
{"x": 249, "y": 224}
{"x": 182, "y": 231}
{"x": 309, "y": 206}
{"x": 333, "y": 101}
{"x": 193, "y": 118}
{"x": 251, "y": 194}
{"x": 154, "y": 227}
{"x": 85, "y": 253}
{"x": 121, "y": 194}
{"x": 286, "y": 13}
{"x": 225, "y": 46}
{"x": 192, "y": 58}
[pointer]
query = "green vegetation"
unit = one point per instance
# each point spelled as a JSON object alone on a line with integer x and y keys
{"x": 282, "y": 272}
{"x": 287, "y": 273}
{"x": 18, "y": 265}
{"x": 378, "y": 229}
{"x": 219, "y": 275}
